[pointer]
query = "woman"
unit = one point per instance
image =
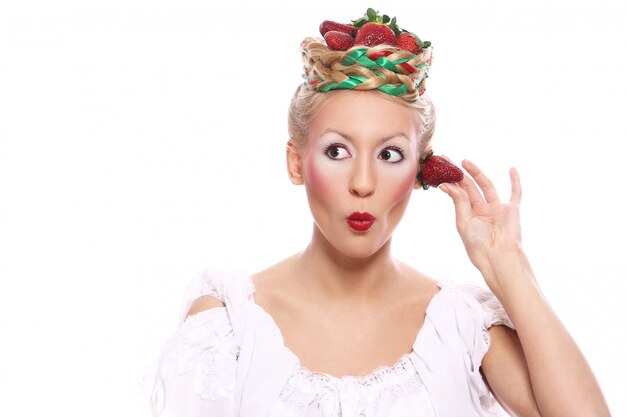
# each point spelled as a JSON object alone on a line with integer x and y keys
{"x": 342, "y": 328}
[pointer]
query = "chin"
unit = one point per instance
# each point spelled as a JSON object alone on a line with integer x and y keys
{"x": 357, "y": 245}
{"x": 361, "y": 254}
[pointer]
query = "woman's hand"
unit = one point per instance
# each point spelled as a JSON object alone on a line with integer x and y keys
{"x": 489, "y": 228}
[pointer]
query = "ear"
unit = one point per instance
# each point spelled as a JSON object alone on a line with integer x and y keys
{"x": 294, "y": 163}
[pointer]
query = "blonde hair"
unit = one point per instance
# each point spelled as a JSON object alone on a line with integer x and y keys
{"x": 323, "y": 66}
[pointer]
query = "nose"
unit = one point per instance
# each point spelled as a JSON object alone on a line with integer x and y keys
{"x": 363, "y": 181}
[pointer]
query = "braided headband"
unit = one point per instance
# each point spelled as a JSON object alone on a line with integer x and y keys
{"x": 373, "y": 62}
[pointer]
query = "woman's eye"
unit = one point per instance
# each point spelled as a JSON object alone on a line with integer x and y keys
{"x": 392, "y": 155}
{"x": 336, "y": 152}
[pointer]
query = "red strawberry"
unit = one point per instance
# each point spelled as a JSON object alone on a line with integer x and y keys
{"x": 372, "y": 34}
{"x": 328, "y": 25}
{"x": 338, "y": 41}
{"x": 407, "y": 42}
{"x": 436, "y": 170}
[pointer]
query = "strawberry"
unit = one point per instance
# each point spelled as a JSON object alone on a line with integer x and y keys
{"x": 436, "y": 170}
{"x": 407, "y": 42}
{"x": 338, "y": 41}
{"x": 374, "y": 29}
{"x": 328, "y": 25}
{"x": 372, "y": 34}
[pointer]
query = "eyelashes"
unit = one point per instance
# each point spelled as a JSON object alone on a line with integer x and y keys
{"x": 395, "y": 149}
{"x": 338, "y": 148}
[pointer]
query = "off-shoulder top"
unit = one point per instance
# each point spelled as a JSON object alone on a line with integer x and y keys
{"x": 232, "y": 361}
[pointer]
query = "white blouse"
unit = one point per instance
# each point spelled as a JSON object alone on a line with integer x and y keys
{"x": 231, "y": 361}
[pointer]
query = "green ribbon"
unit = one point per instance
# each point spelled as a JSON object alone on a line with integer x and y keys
{"x": 355, "y": 80}
{"x": 358, "y": 56}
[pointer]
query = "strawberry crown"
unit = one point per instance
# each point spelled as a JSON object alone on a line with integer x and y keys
{"x": 389, "y": 68}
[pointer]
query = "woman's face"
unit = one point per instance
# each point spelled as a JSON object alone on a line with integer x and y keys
{"x": 361, "y": 155}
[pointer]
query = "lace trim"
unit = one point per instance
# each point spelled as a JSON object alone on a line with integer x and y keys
{"x": 372, "y": 394}
{"x": 381, "y": 376}
{"x": 388, "y": 396}
{"x": 206, "y": 351}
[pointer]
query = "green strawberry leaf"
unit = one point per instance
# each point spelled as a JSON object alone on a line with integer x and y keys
{"x": 386, "y": 18}
{"x": 371, "y": 14}
{"x": 419, "y": 178}
{"x": 359, "y": 22}
{"x": 425, "y": 44}
{"x": 428, "y": 155}
{"x": 394, "y": 26}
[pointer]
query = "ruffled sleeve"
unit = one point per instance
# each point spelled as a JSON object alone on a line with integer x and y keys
{"x": 492, "y": 311}
{"x": 195, "y": 374}
{"x": 488, "y": 311}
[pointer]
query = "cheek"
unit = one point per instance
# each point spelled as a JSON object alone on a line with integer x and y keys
{"x": 403, "y": 186}
{"x": 316, "y": 176}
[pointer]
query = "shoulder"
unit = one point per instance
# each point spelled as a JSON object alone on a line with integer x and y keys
{"x": 483, "y": 321}
{"x": 273, "y": 284}
{"x": 416, "y": 287}
{"x": 197, "y": 366}
{"x": 483, "y": 301}
{"x": 279, "y": 271}
{"x": 214, "y": 287}
{"x": 416, "y": 278}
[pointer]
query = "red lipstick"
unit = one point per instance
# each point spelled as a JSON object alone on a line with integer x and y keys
{"x": 360, "y": 222}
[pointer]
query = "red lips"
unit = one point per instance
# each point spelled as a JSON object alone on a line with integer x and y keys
{"x": 361, "y": 216}
{"x": 360, "y": 221}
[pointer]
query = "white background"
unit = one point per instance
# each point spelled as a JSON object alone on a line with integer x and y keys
{"x": 141, "y": 141}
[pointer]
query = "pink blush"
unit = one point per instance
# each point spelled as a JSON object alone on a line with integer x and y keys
{"x": 314, "y": 175}
{"x": 403, "y": 187}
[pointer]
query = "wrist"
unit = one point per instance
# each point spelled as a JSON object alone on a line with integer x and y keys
{"x": 506, "y": 267}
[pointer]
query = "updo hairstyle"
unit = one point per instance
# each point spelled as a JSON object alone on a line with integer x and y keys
{"x": 323, "y": 66}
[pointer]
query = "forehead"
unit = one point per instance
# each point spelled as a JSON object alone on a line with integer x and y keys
{"x": 364, "y": 116}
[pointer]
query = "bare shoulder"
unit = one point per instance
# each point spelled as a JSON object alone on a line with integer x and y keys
{"x": 279, "y": 294}
{"x": 417, "y": 282}
{"x": 204, "y": 303}
{"x": 273, "y": 282}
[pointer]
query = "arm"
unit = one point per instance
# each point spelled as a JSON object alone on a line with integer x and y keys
{"x": 196, "y": 373}
{"x": 563, "y": 382}
{"x": 553, "y": 366}
{"x": 505, "y": 370}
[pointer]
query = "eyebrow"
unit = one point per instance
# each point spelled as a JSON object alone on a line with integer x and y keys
{"x": 382, "y": 140}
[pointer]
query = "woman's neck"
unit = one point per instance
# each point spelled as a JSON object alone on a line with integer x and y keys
{"x": 325, "y": 272}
